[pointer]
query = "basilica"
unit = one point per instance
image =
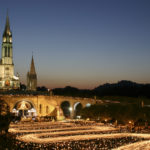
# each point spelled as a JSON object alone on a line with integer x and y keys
{"x": 30, "y": 105}
{"x": 8, "y": 79}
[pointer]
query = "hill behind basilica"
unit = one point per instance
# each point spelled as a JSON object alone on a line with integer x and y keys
{"x": 121, "y": 88}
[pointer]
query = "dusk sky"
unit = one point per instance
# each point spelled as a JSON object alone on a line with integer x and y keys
{"x": 81, "y": 43}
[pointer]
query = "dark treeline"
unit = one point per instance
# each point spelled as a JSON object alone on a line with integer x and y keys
{"x": 122, "y": 88}
{"x": 120, "y": 112}
{"x": 71, "y": 91}
{"x": 22, "y": 92}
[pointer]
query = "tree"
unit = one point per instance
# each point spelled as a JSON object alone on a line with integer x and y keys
{"x": 5, "y": 117}
{"x": 42, "y": 89}
{"x": 23, "y": 87}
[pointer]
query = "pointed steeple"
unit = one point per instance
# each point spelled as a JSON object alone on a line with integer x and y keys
{"x": 32, "y": 77}
{"x": 7, "y": 27}
{"x": 32, "y": 67}
{"x": 8, "y": 80}
{"x": 7, "y": 48}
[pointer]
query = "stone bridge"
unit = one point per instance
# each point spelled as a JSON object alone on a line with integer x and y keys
{"x": 41, "y": 105}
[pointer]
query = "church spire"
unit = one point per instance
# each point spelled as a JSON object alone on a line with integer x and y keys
{"x": 7, "y": 48}
{"x": 32, "y": 67}
{"x": 7, "y": 27}
{"x": 8, "y": 80}
{"x": 32, "y": 77}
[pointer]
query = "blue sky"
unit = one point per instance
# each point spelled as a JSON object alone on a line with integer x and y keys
{"x": 81, "y": 43}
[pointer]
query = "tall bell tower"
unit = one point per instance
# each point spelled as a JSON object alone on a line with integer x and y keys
{"x": 7, "y": 54}
{"x": 7, "y": 78}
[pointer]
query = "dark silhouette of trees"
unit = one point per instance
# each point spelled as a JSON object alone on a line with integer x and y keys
{"x": 71, "y": 91}
{"x": 5, "y": 117}
{"x": 122, "y": 113}
{"x": 122, "y": 88}
{"x": 23, "y": 87}
{"x": 42, "y": 89}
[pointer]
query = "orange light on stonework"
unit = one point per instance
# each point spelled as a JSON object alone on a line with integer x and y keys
{"x": 4, "y": 39}
{"x": 10, "y": 40}
{"x": 7, "y": 82}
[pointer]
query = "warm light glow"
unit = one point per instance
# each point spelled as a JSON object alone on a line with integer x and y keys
{"x": 23, "y": 106}
{"x": 4, "y": 39}
{"x": 79, "y": 133}
{"x": 10, "y": 40}
{"x": 88, "y": 105}
{"x": 70, "y": 109}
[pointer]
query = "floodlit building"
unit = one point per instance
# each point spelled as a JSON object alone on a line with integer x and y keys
{"x": 8, "y": 80}
{"x": 30, "y": 104}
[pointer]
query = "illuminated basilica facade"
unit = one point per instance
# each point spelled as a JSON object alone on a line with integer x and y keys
{"x": 8, "y": 80}
{"x": 30, "y": 105}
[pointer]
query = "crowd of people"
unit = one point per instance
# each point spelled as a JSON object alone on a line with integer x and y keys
{"x": 91, "y": 144}
{"x": 79, "y": 133}
{"x": 78, "y": 144}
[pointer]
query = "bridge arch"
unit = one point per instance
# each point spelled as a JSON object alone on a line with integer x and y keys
{"x": 65, "y": 106}
{"x": 50, "y": 105}
{"x": 77, "y": 109}
{"x": 24, "y": 108}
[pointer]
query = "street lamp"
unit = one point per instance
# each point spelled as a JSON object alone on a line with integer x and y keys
{"x": 70, "y": 109}
{"x": 130, "y": 122}
{"x": 106, "y": 120}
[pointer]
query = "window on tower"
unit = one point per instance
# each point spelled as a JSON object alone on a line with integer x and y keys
{"x": 7, "y": 68}
{"x": 8, "y": 51}
{"x": 5, "y": 51}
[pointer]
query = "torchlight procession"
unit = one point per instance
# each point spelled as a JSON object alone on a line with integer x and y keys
{"x": 76, "y": 135}
{"x": 80, "y": 75}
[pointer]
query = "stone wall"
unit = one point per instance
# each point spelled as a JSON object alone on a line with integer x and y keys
{"x": 45, "y": 105}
